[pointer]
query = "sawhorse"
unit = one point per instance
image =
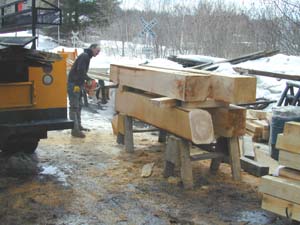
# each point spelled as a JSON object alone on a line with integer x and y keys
{"x": 177, "y": 153}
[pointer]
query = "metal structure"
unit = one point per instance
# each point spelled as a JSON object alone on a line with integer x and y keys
{"x": 290, "y": 95}
{"x": 23, "y": 15}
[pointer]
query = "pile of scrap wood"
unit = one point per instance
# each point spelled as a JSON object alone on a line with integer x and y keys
{"x": 249, "y": 161}
{"x": 257, "y": 125}
{"x": 193, "y": 104}
{"x": 281, "y": 194}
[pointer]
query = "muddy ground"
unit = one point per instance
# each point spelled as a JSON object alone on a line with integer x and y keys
{"x": 93, "y": 181}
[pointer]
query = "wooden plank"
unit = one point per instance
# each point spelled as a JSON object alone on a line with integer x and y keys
{"x": 289, "y": 159}
{"x": 256, "y": 129}
{"x": 234, "y": 155}
{"x": 262, "y": 123}
{"x": 164, "y": 102}
{"x": 288, "y": 143}
{"x": 186, "y": 170}
{"x": 280, "y": 187}
{"x": 248, "y": 147}
{"x": 145, "y": 130}
{"x": 254, "y": 168}
{"x": 184, "y": 86}
{"x": 114, "y": 124}
{"x": 208, "y": 103}
{"x": 281, "y": 207}
{"x": 266, "y": 73}
{"x": 230, "y": 88}
{"x": 129, "y": 147}
{"x": 229, "y": 122}
{"x": 289, "y": 173}
{"x": 257, "y": 114}
{"x": 195, "y": 125}
{"x": 209, "y": 155}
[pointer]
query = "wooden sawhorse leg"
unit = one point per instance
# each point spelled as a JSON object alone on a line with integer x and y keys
{"x": 234, "y": 158}
{"x": 178, "y": 154}
{"x": 229, "y": 146}
{"x": 128, "y": 136}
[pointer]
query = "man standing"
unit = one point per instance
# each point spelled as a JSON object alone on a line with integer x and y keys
{"x": 77, "y": 77}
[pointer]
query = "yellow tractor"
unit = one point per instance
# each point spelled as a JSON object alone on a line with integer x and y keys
{"x": 33, "y": 95}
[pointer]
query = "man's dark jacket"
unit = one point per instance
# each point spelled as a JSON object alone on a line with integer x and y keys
{"x": 78, "y": 72}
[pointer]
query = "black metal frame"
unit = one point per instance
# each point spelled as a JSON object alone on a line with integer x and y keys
{"x": 290, "y": 96}
{"x": 30, "y": 18}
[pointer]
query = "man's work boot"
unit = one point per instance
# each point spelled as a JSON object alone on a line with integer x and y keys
{"x": 83, "y": 128}
{"x": 77, "y": 133}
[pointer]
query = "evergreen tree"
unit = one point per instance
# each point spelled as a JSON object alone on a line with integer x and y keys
{"x": 78, "y": 14}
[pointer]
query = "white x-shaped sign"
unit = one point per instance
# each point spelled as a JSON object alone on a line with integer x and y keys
{"x": 148, "y": 27}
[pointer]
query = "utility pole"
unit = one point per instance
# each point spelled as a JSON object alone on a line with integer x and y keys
{"x": 34, "y": 20}
{"x": 58, "y": 27}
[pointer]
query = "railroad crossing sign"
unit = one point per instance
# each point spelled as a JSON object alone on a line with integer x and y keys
{"x": 75, "y": 38}
{"x": 147, "y": 28}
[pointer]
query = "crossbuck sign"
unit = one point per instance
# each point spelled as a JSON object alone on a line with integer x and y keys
{"x": 147, "y": 28}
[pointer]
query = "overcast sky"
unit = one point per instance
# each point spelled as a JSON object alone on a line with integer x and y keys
{"x": 141, "y": 4}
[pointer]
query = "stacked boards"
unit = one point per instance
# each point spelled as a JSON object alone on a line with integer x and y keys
{"x": 257, "y": 125}
{"x": 281, "y": 194}
{"x": 192, "y": 104}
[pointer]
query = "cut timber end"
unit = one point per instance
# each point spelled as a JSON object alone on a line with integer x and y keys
{"x": 179, "y": 85}
{"x": 201, "y": 133}
{"x": 174, "y": 120}
{"x": 281, "y": 207}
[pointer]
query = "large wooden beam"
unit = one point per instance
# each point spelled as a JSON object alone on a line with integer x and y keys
{"x": 184, "y": 86}
{"x": 230, "y": 88}
{"x": 187, "y": 84}
{"x": 281, "y": 188}
{"x": 229, "y": 121}
{"x": 194, "y": 125}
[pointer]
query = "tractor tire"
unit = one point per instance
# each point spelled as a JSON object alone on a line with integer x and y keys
{"x": 26, "y": 146}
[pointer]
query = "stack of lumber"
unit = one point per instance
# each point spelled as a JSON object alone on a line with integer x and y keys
{"x": 192, "y": 104}
{"x": 281, "y": 194}
{"x": 257, "y": 125}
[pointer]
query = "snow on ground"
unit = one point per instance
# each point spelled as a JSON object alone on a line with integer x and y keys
{"x": 279, "y": 63}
